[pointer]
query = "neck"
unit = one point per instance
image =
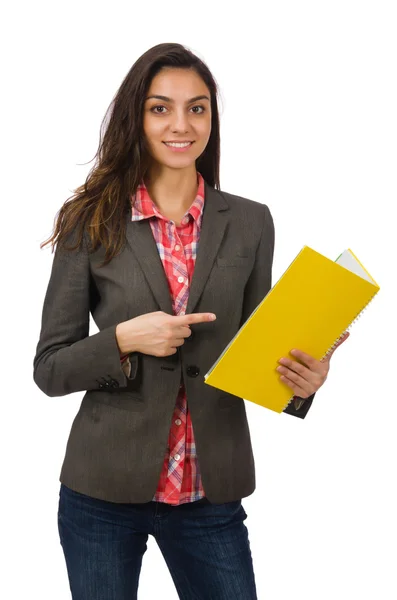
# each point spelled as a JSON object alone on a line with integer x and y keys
{"x": 172, "y": 190}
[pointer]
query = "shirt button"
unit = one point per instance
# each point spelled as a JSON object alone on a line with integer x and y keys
{"x": 178, "y": 422}
{"x": 177, "y": 456}
{"x": 181, "y": 279}
{"x": 185, "y": 221}
{"x": 177, "y": 247}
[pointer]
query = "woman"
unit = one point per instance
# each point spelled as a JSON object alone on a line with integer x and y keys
{"x": 153, "y": 249}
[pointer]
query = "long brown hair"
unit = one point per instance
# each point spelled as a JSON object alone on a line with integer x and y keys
{"x": 99, "y": 206}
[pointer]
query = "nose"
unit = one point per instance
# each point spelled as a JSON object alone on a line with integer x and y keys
{"x": 180, "y": 122}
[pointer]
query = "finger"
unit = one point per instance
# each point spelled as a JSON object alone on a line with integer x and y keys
{"x": 182, "y": 330}
{"x": 296, "y": 366}
{"x": 186, "y": 332}
{"x": 304, "y": 382}
{"x": 297, "y": 389}
{"x": 171, "y": 352}
{"x": 194, "y": 318}
{"x": 308, "y": 360}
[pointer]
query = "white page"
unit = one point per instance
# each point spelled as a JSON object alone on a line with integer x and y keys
{"x": 347, "y": 260}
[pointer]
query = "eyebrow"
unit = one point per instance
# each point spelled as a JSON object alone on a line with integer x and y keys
{"x": 166, "y": 99}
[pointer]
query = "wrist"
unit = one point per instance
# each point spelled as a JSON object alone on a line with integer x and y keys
{"x": 122, "y": 339}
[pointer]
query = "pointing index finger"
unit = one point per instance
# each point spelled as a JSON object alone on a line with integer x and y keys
{"x": 196, "y": 318}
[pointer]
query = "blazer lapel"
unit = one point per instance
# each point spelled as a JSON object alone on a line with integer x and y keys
{"x": 141, "y": 241}
{"x": 140, "y": 238}
{"x": 213, "y": 227}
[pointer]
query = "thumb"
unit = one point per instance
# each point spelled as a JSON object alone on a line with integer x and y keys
{"x": 339, "y": 342}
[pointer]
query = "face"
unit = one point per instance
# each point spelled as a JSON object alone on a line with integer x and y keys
{"x": 177, "y": 109}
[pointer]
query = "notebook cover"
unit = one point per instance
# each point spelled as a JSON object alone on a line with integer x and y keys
{"x": 309, "y": 308}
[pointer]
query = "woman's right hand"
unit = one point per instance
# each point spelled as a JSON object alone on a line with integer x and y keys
{"x": 157, "y": 333}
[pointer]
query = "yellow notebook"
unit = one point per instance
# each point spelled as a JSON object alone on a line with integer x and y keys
{"x": 310, "y": 307}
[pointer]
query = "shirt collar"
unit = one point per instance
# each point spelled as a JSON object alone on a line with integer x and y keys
{"x": 143, "y": 207}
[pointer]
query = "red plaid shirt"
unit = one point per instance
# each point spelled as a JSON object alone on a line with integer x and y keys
{"x": 180, "y": 479}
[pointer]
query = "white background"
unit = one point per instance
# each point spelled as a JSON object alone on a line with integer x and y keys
{"x": 309, "y": 127}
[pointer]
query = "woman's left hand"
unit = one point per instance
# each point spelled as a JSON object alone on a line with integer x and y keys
{"x": 306, "y": 379}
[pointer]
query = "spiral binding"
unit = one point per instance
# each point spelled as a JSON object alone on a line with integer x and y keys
{"x": 331, "y": 348}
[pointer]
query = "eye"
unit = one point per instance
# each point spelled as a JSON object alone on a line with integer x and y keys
{"x": 153, "y": 109}
{"x": 199, "y": 106}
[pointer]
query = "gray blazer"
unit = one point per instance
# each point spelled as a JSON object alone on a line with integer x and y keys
{"x": 119, "y": 436}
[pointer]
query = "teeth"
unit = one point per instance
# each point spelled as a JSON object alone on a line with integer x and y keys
{"x": 177, "y": 145}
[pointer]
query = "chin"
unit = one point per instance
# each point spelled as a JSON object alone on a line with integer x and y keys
{"x": 177, "y": 161}
{"x": 177, "y": 164}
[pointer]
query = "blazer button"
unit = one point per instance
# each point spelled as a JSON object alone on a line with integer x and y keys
{"x": 113, "y": 382}
{"x": 192, "y": 371}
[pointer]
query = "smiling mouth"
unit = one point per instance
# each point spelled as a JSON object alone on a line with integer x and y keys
{"x": 179, "y": 143}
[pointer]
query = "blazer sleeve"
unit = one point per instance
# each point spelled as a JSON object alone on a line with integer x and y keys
{"x": 258, "y": 285}
{"x": 67, "y": 358}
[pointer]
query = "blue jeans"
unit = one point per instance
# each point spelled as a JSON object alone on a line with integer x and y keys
{"x": 205, "y": 546}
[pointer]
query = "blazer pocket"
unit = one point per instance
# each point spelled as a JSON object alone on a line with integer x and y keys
{"x": 119, "y": 399}
{"x": 233, "y": 261}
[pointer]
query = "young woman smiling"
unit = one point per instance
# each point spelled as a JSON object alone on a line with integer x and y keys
{"x": 170, "y": 267}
